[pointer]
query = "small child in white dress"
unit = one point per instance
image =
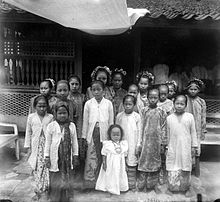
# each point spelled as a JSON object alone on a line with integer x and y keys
{"x": 112, "y": 176}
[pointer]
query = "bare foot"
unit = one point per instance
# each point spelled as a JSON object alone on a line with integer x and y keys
{"x": 169, "y": 192}
{"x": 157, "y": 190}
{"x": 190, "y": 193}
{"x": 109, "y": 195}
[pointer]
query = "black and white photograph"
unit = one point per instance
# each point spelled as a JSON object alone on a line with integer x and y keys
{"x": 109, "y": 100}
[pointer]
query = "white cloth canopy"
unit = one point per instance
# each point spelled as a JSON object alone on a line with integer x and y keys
{"x": 100, "y": 17}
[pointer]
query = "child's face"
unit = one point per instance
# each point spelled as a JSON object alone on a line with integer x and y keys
{"x": 171, "y": 92}
{"x": 163, "y": 93}
{"x": 62, "y": 91}
{"x": 62, "y": 114}
{"x": 116, "y": 134}
{"x": 102, "y": 77}
{"x": 193, "y": 90}
{"x": 180, "y": 104}
{"x": 143, "y": 84}
{"x": 128, "y": 106}
{"x": 97, "y": 91}
{"x": 117, "y": 81}
{"x": 41, "y": 107}
{"x": 153, "y": 98}
{"x": 44, "y": 88}
{"x": 74, "y": 85}
{"x": 133, "y": 90}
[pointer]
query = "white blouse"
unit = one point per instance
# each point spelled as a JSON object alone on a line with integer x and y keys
{"x": 33, "y": 131}
{"x": 97, "y": 112}
{"x": 53, "y": 138}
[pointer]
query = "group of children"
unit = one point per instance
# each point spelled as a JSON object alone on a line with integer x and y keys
{"x": 137, "y": 139}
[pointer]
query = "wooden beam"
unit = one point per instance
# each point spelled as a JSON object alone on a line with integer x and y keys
{"x": 78, "y": 54}
{"x": 137, "y": 52}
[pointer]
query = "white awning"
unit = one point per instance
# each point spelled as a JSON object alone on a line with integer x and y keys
{"x": 100, "y": 17}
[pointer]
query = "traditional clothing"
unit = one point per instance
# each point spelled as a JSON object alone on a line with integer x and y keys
{"x": 197, "y": 107}
{"x": 153, "y": 136}
{"x": 117, "y": 98}
{"x": 50, "y": 99}
{"x": 107, "y": 94}
{"x": 181, "y": 138}
{"x": 62, "y": 148}
{"x": 35, "y": 140}
{"x": 114, "y": 179}
{"x": 97, "y": 118}
{"x": 131, "y": 125}
{"x": 167, "y": 106}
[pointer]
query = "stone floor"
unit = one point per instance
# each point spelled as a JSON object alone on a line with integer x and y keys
{"x": 17, "y": 184}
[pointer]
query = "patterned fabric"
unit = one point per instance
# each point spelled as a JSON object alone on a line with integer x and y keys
{"x": 132, "y": 176}
{"x": 79, "y": 99}
{"x": 178, "y": 180}
{"x": 93, "y": 160}
{"x": 63, "y": 189}
{"x": 41, "y": 173}
{"x": 167, "y": 106}
{"x": 148, "y": 180}
{"x": 197, "y": 107}
{"x": 153, "y": 135}
{"x": 117, "y": 98}
{"x": 142, "y": 102}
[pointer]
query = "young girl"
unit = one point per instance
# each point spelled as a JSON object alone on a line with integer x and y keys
{"x": 182, "y": 141}
{"x": 144, "y": 80}
{"x": 46, "y": 87}
{"x": 103, "y": 74}
{"x": 165, "y": 103}
{"x": 197, "y": 107}
{"x": 151, "y": 143}
{"x": 172, "y": 86}
{"x": 97, "y": 117}
{"x": 116, "y": 89}
{"x": 35, "y": 141}
{"x": 62, "y": 92}
{"x": 78, "y": 98}
{"x": 112, "y": 176}
{"x": 132, "y": 90}
{"x": 61, "y": 152}
{"x": 130, "y": 122}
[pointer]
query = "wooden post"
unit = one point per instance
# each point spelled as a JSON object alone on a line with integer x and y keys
{"x": 137, "y": 52}
{"x": 78, "y": 55}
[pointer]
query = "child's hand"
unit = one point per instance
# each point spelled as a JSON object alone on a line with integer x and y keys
{"x": 75, "y": 162}
{"x": 193, "y": 152}
{"x": 138, "y": 151}
{"x": 104, "y": 166}
{"x": 28, "y": 153}
{"x": 47, "y": 161}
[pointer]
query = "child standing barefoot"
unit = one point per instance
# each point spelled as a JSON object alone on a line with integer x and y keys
{"x": 97, "y": 117}
{"x": 112, "y": 176}
{"x": 130, "y": 122}
{"x": 61, "y": 153}
{"x": 151, "y": 143}
{"x": 197, "y": 107}
{"x": 182, "y": 142}
{"x": 144, "y": 79}
{"x": 35, "y": 142}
